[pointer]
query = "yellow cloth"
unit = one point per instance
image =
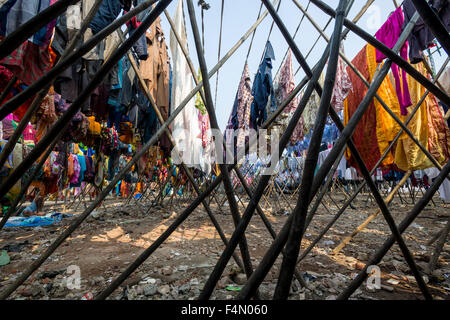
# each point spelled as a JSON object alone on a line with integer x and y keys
{"x": 387, "y": 127}
{"x": 94, "y": 126}
{"x": 408, "y": 155}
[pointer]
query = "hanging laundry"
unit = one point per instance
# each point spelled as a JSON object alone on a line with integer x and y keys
{"x": 389, "y": 33}
{"x": 263, "y": 89}
{"x": 386, "y": 127}
{"x": 33, "y": 58}
{"x": 140, "y": 46}
{"x": 365, "y": 134}
{"x": 155, "y": 71}
{"x": 444, "y": 189}
{"x": 408, "y": 155}
{"x": 342, "y": 85}
{"x": 421, "y": 36}
{"x": 186, "y": 128}
{"x": 286, "y": 85}
{"x": 239, "y": 122}
{"x": 206, "y": 134}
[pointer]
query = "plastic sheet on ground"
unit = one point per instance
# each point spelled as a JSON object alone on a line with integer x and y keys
{"x": 35, "y": 221}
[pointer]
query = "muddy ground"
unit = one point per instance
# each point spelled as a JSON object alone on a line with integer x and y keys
{"x": 114, "y": 236}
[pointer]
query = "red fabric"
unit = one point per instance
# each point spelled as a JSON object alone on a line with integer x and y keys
{"x": 365, "y": 135}
{"x": 5, "y": 77}
{"x": 133, "y": 22}
{"x": 28, "y": 62}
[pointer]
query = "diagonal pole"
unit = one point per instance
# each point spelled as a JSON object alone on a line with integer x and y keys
{"x": 214, "y": 124}
{"x": 26, "y": 30}
{"x": 299, "y": 214}
{"x": 23, "y": 96}
{"x": 275, "y": 249}
{"x": 434, "y": 22}
{"x": 169, "y": 136}
{"x": 99, "y": 75}
{"x": 378, "y": 256}
{"x": 390, "y": 54}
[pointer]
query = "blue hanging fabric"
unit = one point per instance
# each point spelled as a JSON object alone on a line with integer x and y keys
{"x": 263, "y": 89}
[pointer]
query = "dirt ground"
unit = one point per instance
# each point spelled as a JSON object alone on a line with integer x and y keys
{"x": 109, "y": 240}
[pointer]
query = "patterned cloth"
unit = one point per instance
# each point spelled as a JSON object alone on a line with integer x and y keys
{"x": 342, "y": 86}
{"x": 29, "y": 62}
{"x": 240, "y": 114}
{"x": 244, "y": 100}
{"x": 286, "y": 85}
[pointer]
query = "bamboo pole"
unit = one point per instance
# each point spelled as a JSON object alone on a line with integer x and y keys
{"x": 23, "y": 96}
{"x": 172, "y": 141}
{"x": 26, "y": 30}
{"x": 103, "y": 71}
{"x": 390, "y": 54}
{"x": 363, "y": 225}
{"x": 214, "y": 124}
{"x": 273, "y": 252}
{"x": 432, "y": 20}
{"x": 295, "y": 236}
{"x": 378, "y": 256}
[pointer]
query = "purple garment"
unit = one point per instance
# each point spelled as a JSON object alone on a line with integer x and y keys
{"x": 389, "y": 34}
{"x": 421, "y": 36}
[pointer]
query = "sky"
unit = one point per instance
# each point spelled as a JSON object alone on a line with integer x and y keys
{"x": 240, "y": 15}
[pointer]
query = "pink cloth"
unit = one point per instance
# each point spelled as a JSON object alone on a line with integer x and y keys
{"x": 29, "y": 134}
{"x": 204, "y": 127}
{"x": 389, "y": 34}
{"x": 76, "y": 170}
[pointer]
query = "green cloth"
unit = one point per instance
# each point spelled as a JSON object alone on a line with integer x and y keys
{"x": 4, "y": 258}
